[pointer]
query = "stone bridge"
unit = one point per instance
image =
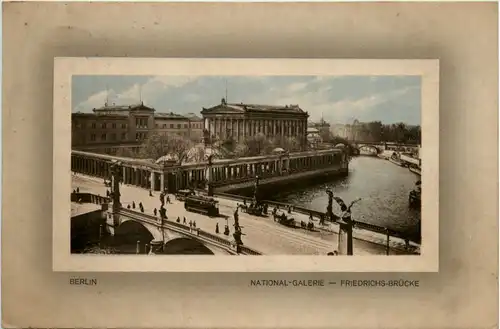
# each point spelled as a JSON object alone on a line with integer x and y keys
{"x": 379, "y": 147}
{"x": 140, "y": 230}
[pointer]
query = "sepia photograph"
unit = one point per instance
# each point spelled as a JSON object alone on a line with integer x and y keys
{"x": 236, "y": 165}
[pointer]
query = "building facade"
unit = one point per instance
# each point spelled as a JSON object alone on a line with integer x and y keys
{"x": 195, "y": 127}
{"x": 240, "y": 121}
{"x": 112, "y": 127}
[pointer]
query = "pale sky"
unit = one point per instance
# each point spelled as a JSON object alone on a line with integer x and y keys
{"x": 339, "y": 99}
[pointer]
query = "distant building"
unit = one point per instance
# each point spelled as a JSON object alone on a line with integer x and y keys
{"x": 322, "y": 126}
{"x": 239, "y": 121}
{"x": 313, "y": 137}
{"x": 171, "y": 124}
{"x": 341, "y": 130}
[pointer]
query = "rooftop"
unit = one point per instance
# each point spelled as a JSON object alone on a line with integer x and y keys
{"x": 193, "y": 116}
{"x": 243, "y": 107}
{"x": 170, "y": 115}
{"x": 124, "y": 108}
{"x": 94, "y": 115}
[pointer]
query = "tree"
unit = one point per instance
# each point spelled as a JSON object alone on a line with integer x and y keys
{"x": 241, "y": 150}
{"x": 179, "y": 147}
{"x": 291, "y": 144}
{"x": 156, "y": 146}
{"x": 258, "y": 145}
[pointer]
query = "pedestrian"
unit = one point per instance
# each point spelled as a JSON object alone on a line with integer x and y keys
{"x": 168, "y": 199}
{"x": 107, "y": 193}
{"x": 77, "y": 190}
{"x": 194, "y": 224}
{"x": 154, "y": 211}
{"x": 133, "y": 204}
{"x": 178, "y": 220}
{"x": 150, "y": 193}
{"x": 141, "y": 207}
{"x": 128, "y": 206}
{"x": 184, "y": 220}
{"x": 217, "y": 228}
{"x": 190, "y": 223}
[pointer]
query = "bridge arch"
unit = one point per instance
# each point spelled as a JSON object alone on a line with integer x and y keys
{"x": 370, "y": 147}
{"x": 128, "y": 233}
{"x": 186, "y": 246}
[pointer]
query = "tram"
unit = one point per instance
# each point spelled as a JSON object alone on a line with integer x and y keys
{"x": 201, "y": 204}
{"x": 182, "y": 194}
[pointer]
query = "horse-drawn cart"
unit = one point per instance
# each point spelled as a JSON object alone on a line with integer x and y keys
{"x": 307, "y": 226}
{"x": 283, "y": 219}
{"x": 252, "y": 209}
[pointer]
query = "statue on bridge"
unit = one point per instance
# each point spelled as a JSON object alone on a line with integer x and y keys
{"x": 329, "y": 208}
{"x": 256, "y": 195}
{"x": 236, "y": 220}
{"x": 345, "y": 244}
{"x": 210, "y": 187}
{"x": 116, "y": 171}
{"x": 237, "y": 239}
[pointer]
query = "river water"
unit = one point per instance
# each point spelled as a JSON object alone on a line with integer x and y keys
{"x": 383, "y": 187}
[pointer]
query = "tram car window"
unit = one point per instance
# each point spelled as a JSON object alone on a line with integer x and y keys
{"x": 201, "y": 204}
{"x": 182, "y": 194}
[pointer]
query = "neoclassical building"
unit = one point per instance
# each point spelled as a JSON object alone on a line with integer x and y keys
{"x": 111, "y": 127}
{"x": 238, "y": 121}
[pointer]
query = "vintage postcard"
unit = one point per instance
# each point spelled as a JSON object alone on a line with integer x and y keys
{"x": 270, "y": 165}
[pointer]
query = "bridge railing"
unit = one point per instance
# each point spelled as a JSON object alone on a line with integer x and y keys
{"x": 385, "y": 233}
{"x": 89, "y": 198}
{"x": 192, "y": 232}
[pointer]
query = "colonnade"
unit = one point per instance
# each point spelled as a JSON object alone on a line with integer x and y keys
{"x": 240, "y": 128}
{"x": 158, "y": 178}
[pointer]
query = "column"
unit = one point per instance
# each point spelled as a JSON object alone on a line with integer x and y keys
{"x": 238, "y": 130}
{"x": 152, "y": 180}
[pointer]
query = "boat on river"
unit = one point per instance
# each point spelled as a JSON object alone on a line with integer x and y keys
{"x": 395, "y": 158}
{"x": 415, "y": 169}
{"x": 415, "y": 196}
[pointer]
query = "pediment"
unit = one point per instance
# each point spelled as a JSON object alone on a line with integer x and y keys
{"x": 222, "y": 109}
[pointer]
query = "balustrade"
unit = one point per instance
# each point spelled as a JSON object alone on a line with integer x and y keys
{"x": 155, "y": 177}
